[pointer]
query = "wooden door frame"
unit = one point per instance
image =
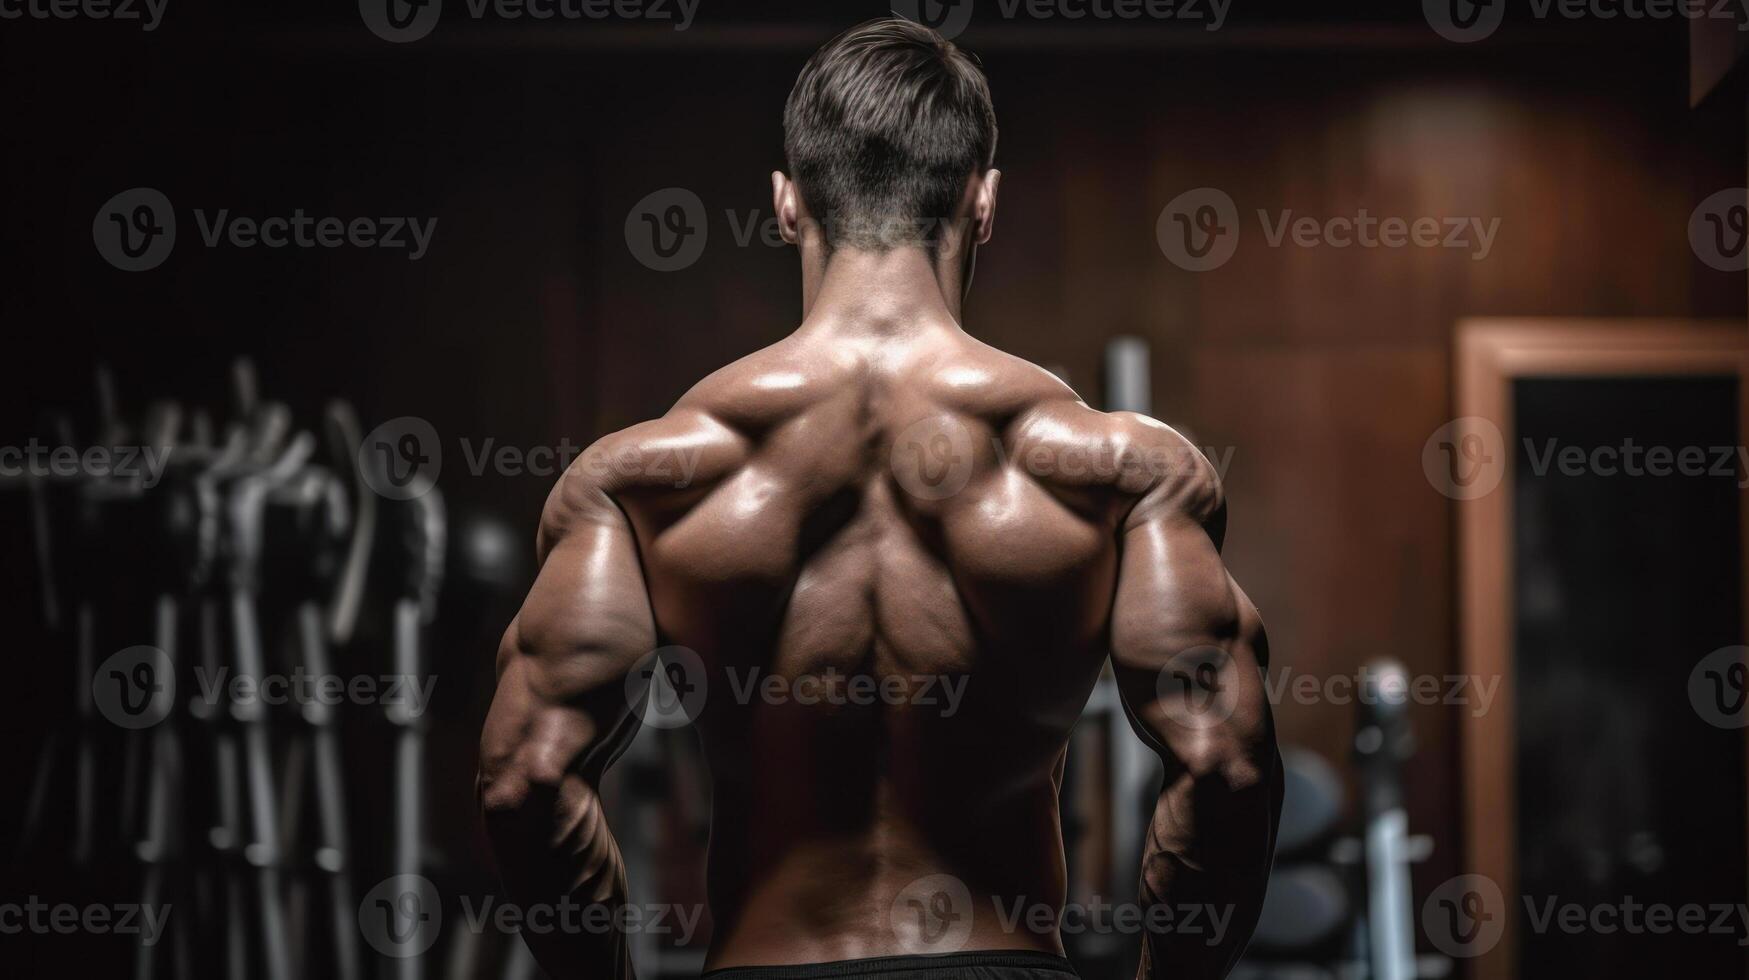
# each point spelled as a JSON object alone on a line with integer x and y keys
{"x": 1491, "y": 354}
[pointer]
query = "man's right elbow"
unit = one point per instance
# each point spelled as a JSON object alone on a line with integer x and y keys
{"x": 526, "y": 746}
{"x": 501, "y": 791}
{"x": 514, "y": 779}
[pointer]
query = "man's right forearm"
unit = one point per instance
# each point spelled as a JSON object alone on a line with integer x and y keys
{"x": 557, "y": 855}
{"x": 1206, "y": 865}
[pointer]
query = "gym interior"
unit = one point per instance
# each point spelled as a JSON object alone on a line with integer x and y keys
{"x": 1451, "y": 294}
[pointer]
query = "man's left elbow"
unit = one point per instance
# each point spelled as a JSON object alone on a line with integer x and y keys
{"x": 1237, "y": 755}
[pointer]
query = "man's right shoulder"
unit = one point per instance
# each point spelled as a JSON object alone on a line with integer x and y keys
{"x": 707, "y": 436}
{"x": 671, "y": 457}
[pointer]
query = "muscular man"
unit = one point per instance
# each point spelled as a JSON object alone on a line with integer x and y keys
{"x": 897, "y": 566}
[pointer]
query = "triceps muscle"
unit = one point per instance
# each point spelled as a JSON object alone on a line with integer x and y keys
{"x": 560, "y": 714}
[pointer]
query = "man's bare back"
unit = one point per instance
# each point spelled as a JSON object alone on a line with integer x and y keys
{"x": 897, "y": 560}
{"x": 859, "y": 514}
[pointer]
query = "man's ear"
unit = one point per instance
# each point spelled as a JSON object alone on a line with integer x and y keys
{"x": 984, "y": 206}
{"x": 786, "y": 207}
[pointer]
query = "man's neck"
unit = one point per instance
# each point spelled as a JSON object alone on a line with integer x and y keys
{"x": 881, "y": 293}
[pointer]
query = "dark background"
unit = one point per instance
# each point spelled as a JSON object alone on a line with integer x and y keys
{"x": 528, "y": 322}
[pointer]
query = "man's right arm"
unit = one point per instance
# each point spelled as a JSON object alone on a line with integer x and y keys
{"x": 1187, "y": 649}
{"x": 560, "y": 715}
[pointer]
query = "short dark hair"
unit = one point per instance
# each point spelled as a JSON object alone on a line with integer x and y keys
{"x": 885, "y": 124}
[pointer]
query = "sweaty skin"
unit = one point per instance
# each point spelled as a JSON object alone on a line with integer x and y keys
{"x": 882, "y": 496}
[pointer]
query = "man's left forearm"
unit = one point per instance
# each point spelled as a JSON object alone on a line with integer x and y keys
{"x": 1206, "y": 863}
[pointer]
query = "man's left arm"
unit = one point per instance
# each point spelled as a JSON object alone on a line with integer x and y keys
{"x": 1188, "y": 651}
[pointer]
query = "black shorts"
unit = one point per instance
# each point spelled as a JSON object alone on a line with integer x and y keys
{"x": 1015, "y": 965}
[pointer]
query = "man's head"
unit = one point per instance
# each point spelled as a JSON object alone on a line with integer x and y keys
{"x": 890, "y": 135}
